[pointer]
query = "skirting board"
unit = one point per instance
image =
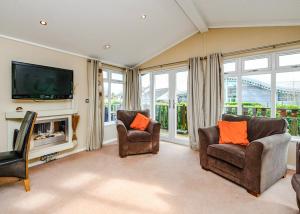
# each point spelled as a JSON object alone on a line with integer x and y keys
{"x": 291, "y": 167}
{"x": 111, "y": 141}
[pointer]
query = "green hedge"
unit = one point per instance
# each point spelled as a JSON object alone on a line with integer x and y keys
{"x": 162, "y": 112}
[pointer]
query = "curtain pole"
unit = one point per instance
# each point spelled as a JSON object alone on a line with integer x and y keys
{"x": 233, "y": 53}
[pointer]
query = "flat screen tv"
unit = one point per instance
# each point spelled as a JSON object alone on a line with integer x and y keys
{"x": 39, "y": 82}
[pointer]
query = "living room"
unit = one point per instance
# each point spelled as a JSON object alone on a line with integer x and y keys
{"x": 75, "y": 75}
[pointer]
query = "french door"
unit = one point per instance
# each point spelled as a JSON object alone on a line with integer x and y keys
{"x": 168, "y": 102}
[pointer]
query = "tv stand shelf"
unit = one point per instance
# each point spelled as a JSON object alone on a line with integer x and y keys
{"x": 47, "y": 116}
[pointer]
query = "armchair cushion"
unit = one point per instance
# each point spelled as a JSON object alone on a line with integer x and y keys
{"x": 140, "y": 122}
{"x": 233, "y": 132}
{"x": 259, "y": 127}
{"x": 230, "y": 153}
{"x": 9, "y": 157}
{"x": 138, "y": 136}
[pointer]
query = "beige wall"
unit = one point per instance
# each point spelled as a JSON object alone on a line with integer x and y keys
{"x": 18, "y": 51}
{"x": 228, "y": 40}
{"x": 225, "y": 40}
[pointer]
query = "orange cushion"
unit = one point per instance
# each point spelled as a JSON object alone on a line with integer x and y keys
{"x": 140, "y": 122}
{"x": 233, "y": 132}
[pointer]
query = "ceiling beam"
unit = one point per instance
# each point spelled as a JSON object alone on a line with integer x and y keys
{"x": 189, "y": 8}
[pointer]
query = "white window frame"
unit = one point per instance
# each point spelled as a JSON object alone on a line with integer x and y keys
{"x": 109, "y": 81}
{"x": 287, "y": 67}
{"x": 231, "y": 61}
{"x": 261, "y": 56}
{"x": 272, "y": 70}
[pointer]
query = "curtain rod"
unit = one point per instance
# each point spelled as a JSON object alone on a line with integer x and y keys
{"x": 228, "y": 54}
{"x": 109, "y": 65}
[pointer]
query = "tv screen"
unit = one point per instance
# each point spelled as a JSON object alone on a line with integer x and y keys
{"x": 41, "y": 82}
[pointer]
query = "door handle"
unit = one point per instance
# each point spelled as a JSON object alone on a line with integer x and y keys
{"x": 170, "y": 104}
{"x": 173, "y": 104}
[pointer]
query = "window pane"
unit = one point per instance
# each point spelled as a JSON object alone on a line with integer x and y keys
{"x": 229, "y": 67}
{"x": 288, "y": 60}
{"x": 181, "y": 104}
{"x": 105, "y": 74}
{"x": 161, "y": 101}
{"x": 146, "y": 92}
{"x": 256, "y": 95}
{"x": 116, "y": 76}
{"x": 288, "y": 99}
{"x": 230, "y": 89}
{"x": 116, "y": 99}
{"x": 105, "y": 102}
{"x": 255, "y": 64}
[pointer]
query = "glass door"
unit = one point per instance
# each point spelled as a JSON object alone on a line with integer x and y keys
{"x": 169, "y": 103}
{"x": 162, "y": 102}
{"x": 181, "y": 124}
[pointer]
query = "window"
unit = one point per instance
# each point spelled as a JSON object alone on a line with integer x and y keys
{"x": 264, "y": 86}
{"x": 146, "y": 91}
{"x": 229, "y": 67}
{"x": 230, "y": 84}
{"x": 256, "y": 64}
{"x": 113, "y": 94}
{"x": 289, "y": 60}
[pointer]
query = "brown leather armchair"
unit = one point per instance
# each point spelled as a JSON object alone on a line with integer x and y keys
{"x": 15, "y": 163}
{"x": 256, "y": 166}
{"x": 134, "y": 141}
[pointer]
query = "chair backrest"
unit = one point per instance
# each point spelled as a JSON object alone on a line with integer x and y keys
{"x": 127, "y": 116}
{"x": 259, "y": 127}
{"x": 23, "y": 138}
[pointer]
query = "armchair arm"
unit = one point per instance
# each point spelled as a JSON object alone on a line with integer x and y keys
{"x": 298, "y": 158}
{"x": 266, "y": 160}
{"x": 122, "y": 136}
{"x": 207, "y": 136}
{"x": 154, "y": 130}
{"x": 16, "y": 132}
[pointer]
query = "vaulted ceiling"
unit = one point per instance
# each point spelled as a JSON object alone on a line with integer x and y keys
{"x": 86, "y": 26}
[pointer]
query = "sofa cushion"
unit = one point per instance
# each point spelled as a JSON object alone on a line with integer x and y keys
{"x": 230, "y": 153}
{"x": 138, "y": 136}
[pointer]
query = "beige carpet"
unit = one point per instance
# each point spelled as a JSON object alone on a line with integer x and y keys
{"x": 170, "y": 182}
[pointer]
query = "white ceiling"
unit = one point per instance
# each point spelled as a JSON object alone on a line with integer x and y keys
{"x": 85, "y": 26}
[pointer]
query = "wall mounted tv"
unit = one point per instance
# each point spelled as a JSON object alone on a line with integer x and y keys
{"x": 39, "y": 82}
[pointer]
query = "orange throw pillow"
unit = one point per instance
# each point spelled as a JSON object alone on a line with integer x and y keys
{"x": 140, "y": 122}
{"x": 233, "y": 132}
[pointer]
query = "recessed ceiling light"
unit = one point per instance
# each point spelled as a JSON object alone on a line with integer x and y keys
{"x": 143, "y": 16}
{"x": 107, "y": 46}
{"x": 43, "y": 22}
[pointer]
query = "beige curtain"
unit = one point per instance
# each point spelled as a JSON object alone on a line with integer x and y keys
{"x": 132, "y": 92}
{"x": 95, "y": 108}
{"x": 205, "y": 94}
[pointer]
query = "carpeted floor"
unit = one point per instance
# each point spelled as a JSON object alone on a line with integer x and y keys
{"x": 170, "y": 182}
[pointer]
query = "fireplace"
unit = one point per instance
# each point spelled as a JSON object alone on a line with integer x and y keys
{"x": 50, "y": 132}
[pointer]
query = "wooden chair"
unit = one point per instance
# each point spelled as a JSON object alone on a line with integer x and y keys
{"x": 15, "y": 163}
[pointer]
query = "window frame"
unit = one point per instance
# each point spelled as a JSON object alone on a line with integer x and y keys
{"x": 231, "y": 61}
{"x": 109, "y": 81}
{"x": 261, "y": 56}
{"x": 287, "y": 67}
{"x": 273, "y": 69}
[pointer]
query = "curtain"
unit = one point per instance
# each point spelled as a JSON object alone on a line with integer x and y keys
{"x": 132, "y": 92}
{"x": 205, "y": 94}
{"x": 95, "y": 108}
